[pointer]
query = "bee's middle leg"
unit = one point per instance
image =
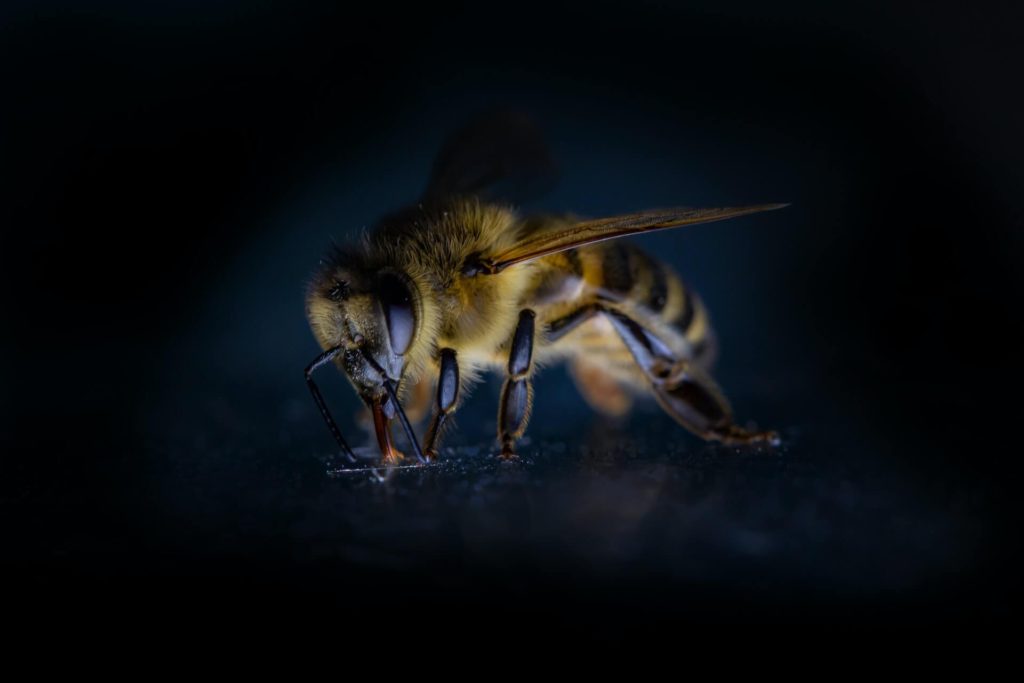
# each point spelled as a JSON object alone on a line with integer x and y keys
{"x": 517, "y": 394}
{"x": 447, "y": 399}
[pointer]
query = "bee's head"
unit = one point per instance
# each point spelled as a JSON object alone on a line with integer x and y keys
{"x": 372, "y": 316}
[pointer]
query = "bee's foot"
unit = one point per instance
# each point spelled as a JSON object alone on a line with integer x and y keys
{"x": 507, "y": 453}
{"x": 431, "y": 454}
{"x": 336, "y": 462}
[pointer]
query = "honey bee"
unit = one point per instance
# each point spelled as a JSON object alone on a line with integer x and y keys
{"x": 458, "y": 283}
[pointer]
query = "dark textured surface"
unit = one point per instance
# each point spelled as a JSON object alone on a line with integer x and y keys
{"x": 594, "y": 519}
{"x": 606, "y": 506}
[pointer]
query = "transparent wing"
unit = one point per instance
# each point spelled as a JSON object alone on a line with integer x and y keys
{"x": 542, "y": 243}
{"x": 499, "y": 155}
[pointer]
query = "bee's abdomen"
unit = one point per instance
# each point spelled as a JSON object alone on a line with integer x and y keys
{"x": 623, "y": 273}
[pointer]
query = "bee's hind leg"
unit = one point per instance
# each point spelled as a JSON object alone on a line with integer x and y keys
{"x": 685, "y": 392}
{"x": 695, "y": 401}
{"x": 517, "y": 393}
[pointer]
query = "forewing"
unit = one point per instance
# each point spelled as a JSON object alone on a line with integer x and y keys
{"x": 542, "y": 243}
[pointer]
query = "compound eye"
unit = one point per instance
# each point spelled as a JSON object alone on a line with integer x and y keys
{"x": 396, "y": 301}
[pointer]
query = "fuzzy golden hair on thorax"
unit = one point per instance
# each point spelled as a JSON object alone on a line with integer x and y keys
{"x": 432, "y": 245}
{"x": 427, "y": 249}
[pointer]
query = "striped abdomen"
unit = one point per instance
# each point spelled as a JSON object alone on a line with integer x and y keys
{"x": 620, "y": 275}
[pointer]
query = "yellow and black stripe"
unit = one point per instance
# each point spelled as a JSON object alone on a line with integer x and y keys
{"x": 624, "y": 274}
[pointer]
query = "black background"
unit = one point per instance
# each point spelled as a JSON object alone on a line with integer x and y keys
{"x": 170, "y": 180}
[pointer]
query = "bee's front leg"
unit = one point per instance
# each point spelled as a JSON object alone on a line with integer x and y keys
{"x": 517, "y": 394}
{"x": 447, "y": 399}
